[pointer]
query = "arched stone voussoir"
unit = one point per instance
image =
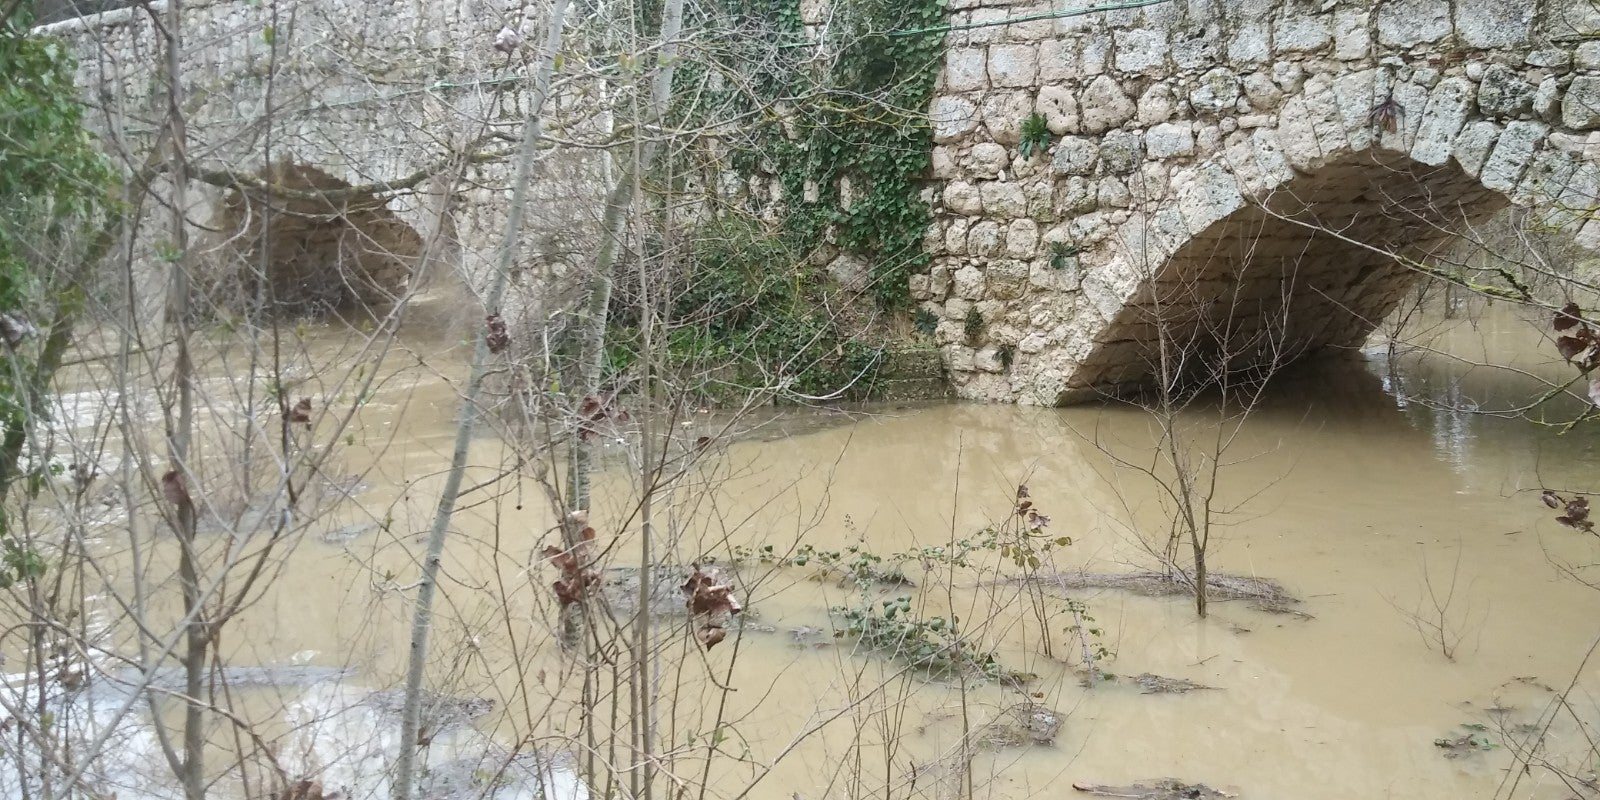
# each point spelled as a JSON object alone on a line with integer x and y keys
{"x": 1283, "y": 244}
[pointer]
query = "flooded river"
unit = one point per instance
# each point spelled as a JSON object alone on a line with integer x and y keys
{"x": 1435, "y": 601}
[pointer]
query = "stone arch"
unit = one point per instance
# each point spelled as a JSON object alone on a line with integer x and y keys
{"x": 312, "y": 247}
{"x": 1287, "y": 228}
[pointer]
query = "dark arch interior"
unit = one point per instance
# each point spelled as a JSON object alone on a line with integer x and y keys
{"x": 1305, "y": 270}
{"x": 315, "y": 248}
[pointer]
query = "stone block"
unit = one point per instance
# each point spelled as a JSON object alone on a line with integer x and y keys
{"x": 1556, "y": 59}
{"x": 1351, "y": 39}
{"x": 1446, "y": 113}
{"x": 1058, "y": 60}
{"x": 1250, "y": 44}
{"x": 1408, "y": 23}
{"x": 1022, "y": 239}
{"x": 988, "y": 360}
{"x": 966, "y": 69}
{"x": 1074, "y": 196}
{"x": 1007, "y": 279}
{"x": 1003, "y": 200}
{"x": 1413, "y": 102}
{"x": 1267, "y": 156}
{"x": 1297, "y": 137}
{"x": 1547, "y": 100}
{"x": 1261, "y": 90}
{"x": 1355, "y": 94}
{"x": 1327, "y": 120}
{"x": 1209, "y": 197}
{"x": 955, "y": 236}
{"x": 1197, "y": 48}
{"x": 987, "y": 159}
{"x": 967, "y": 283}
{"x": 1013, "y": 65}
{"x": 1093, "y": 54}
{"x": 1216, "y": 92}
{"x": 1157, "y": 104}
{"x": 1169, "y": 139}
{"x": 1104, "y": 105}
{"x": 1003, "y": 113}
{"x": 1473, "y": 145}
{"x": 1140, "y": 51}
{"x": 963, "y": 198}
{"x": 984, "y": 239}
{"x": 1547, "y": 178}
{"x": 1511, "y": 155}
{"x": 1587, "y": 56}
{"x": 952, "y": 118}
{"x": 987, "y": 31}
{"x": 1112, "y": 192}
{"x": 1581, "y": 194}
{"x": 1502, "y": 92}
{"x": 1121, "y": 152}
{"x": 1295, "y": 31}
{"x": 1059, "y": 107}
{"x": 1033, "y": 30}
{"x": 1494, "y": 23}
{"x": 1288, "y": 75}
{"x": 960, "y": 358}
{"x": 939, "y": 275}
{"x": 1580, "y": 110}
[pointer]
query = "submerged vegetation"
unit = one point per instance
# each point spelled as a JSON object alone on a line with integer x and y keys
{"x": 753, "y": 313}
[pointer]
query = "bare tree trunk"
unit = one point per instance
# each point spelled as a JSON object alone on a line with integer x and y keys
{"x": 422, "y": 621}
{"x": 592, "y": 317}
{"x": 180, "y": 434}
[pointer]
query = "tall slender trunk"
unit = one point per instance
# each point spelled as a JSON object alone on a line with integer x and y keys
{"x": 180, "y": 433}
{"x": 592, "y": 316}
{"x": 422, "y": 621}
{"x": 591, "y": 330}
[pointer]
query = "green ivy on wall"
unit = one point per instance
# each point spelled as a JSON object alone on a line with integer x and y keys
{"x": 862, "y": 122}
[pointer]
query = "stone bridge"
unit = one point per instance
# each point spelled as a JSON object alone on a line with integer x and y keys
{"x": 1233, "y": 177}
{"x": 372, "y": 100}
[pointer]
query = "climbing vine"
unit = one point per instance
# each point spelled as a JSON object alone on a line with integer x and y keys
{"x": 851, "y": 151}
{"x": 56, "y": 187}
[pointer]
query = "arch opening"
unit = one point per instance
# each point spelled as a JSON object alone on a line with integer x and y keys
{"x": 311, "y": 248}
{"x": 1306, "y": 269}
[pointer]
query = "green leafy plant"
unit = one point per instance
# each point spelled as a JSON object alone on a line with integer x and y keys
{"x": 18, "y": 562}
{"x": 926, "y": 321}
{"x": 751, "y": 308}
{"x": 934, "y": 644}
{"x": 859, "y": 127}
{"x": 58, "y": 191}
{"x": 1060, "y": 252}
{"x": 1035, "y": 136}
{"x": 1091, "y": 639}
{"x": 972, "y": 325}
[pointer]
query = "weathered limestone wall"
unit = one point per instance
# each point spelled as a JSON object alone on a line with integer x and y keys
{"x": 1198, "y": 143}
{"x": 365, "y": 92}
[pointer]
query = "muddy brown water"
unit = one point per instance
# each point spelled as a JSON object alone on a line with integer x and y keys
{"x": 1359, "y": 484}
